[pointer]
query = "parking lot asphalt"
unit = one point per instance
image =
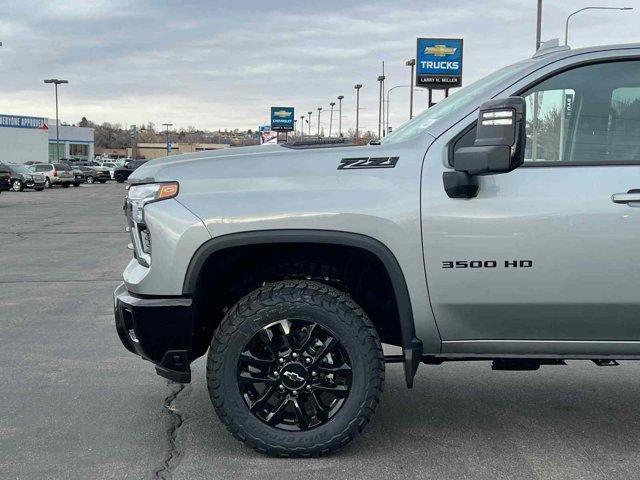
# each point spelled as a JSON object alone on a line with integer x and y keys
{"x": 74, "y": 404}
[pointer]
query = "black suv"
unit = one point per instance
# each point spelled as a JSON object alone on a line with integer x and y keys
{"x": 122, "y": 173}
{"x": 91, "y": 175}
{"x": 22, "y": 177}
{"x": 5, "y": 179}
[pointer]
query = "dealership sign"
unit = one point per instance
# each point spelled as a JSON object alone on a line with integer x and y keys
{"x": 282, "y": 119}
{"x": 16, "y": 121}
{"x": 439, "y": 62}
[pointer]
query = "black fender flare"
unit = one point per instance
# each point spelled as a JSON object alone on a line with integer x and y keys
{"x": 411, "y": 345}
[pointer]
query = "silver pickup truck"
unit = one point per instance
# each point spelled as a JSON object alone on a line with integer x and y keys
{"x": 501, "y": 224}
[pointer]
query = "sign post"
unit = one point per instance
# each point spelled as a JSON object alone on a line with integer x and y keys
{"x": 439, "y": 64}
{"x": 133, "y": 133}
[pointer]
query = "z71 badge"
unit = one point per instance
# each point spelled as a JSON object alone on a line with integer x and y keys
{"x": 367, "y": 162}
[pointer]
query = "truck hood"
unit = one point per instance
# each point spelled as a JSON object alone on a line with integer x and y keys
{"x": 247, "y": 162}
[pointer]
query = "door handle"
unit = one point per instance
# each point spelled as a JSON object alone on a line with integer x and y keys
{"x": 631, "y": 197}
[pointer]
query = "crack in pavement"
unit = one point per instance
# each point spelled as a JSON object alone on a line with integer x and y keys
{"x": 79, "y": 232}
{"x": 85, "y": 280}
{"x": 175, "y": 433}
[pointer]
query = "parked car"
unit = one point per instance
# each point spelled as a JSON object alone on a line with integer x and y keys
{"x": 107, "y": 167}
{"x": 22, "y": 177}
{"x": 78, "y": 175}
{"x": 122, "y": 173}
{"x": 55, "y": 174}
{"x": 5, "y": 180}
{"x": 91, "y": 175}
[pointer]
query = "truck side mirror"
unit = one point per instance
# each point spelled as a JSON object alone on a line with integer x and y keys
{"x": 498, "y": 147}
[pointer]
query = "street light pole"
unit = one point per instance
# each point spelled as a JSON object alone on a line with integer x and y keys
{"x": 319, "y": 110}
{"x": 167, "y": 125}
{"x": 310, "y": 113}
{"x": 301, "y": 126}
{"x": 357, "y": 86}
{"x": 340, "y": 97}
{"x": 381, "y": 98}
{"x": 566, "y": 27}
{"x": 409, "y": 63}
{"x": 332, "y": 104}
{"x": 57, "y": 82}
{"x": 388, "y": 104}
{"x": 538, "y": 24}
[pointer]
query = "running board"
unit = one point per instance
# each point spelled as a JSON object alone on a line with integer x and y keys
{"x": 524, "y": 364}
{"x": 393, "y": 358}
{"x": 605, "y": 363}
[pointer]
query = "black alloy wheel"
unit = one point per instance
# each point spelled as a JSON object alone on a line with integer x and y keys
{"x": 294, "y": 375}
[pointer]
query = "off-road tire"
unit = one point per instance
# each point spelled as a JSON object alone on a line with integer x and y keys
{"x": 329, "y": 308}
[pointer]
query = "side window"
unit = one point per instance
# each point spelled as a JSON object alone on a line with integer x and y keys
{"x": 548, "y": 112}
{"x": 625, "y": 123}
{"x": 586, "y": 115}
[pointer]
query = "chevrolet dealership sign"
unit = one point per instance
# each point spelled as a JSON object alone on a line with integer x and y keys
{"x": 16, "y": 121}
{"x": 439, "y": 62}
{"x": 282, "y": 119}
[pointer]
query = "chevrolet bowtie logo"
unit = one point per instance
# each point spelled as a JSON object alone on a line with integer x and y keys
{"x": 293, "y": 376}
{"x": 440, "y": 50}
{"x": 282, "y": 113}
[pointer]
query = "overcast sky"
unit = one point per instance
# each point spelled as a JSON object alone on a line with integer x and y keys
{"x": 221, "y": 64}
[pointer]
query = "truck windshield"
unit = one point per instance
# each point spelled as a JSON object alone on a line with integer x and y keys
{"x": 458, "y": 100}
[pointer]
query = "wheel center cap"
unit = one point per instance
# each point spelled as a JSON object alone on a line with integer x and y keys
{"x": 294, "y": 376}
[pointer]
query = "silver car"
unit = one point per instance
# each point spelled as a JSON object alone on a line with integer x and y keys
{"x": 55, "y": 174}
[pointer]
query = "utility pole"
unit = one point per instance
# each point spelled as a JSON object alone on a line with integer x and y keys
{"x": 332, "y": 104}
{"x": 167, "y": 125}
{"x": 310, "y": 113}
{"x": 358, "y": 86}
{"x": 319, "y": 111}
{"x": 57, "y": 82}
{"x": 340, "y": 97}
{"x": 409, "y": 63}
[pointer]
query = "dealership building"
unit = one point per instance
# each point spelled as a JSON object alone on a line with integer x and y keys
{"x": 25, "y": 139}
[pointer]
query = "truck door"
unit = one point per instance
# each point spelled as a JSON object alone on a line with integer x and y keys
{"x": 547, "y": 258}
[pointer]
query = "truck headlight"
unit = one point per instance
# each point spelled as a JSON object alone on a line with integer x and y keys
{"x": 141, "y": 195}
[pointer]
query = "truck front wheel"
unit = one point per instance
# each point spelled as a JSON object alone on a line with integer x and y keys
{"x": 295, "y": 369}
